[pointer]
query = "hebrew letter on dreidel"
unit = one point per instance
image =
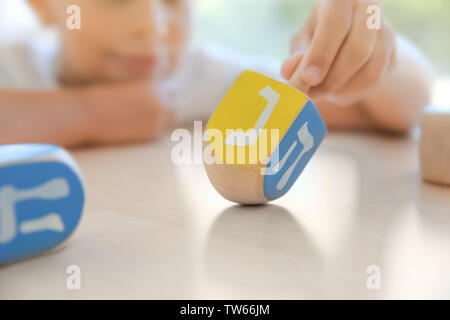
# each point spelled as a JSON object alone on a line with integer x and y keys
{"x": 54, "y": 189}
{"x": 248, "y": 138}
{"x": 277, "y": 166}
{"x": 307, "y": 140}
{"x": 7, "y": 215}
{"x": 9, "y": 197}
{"x": 51, "y": 222}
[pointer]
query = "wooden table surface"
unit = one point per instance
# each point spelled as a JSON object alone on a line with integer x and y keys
{"x": 154, "y": 230}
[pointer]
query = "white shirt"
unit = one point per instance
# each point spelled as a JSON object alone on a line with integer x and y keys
{"x": 193, "y": 91}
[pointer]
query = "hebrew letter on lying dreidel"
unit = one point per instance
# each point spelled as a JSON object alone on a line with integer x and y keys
{"x": 50, "y": 222}
{"x": 260, "y": 138}
{"x": 9, "y": 196}
{"x": 41, "y": 199}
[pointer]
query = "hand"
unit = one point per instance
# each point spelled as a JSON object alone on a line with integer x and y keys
{"x": 125, "y": 112}
{"x": 335, "y": 56}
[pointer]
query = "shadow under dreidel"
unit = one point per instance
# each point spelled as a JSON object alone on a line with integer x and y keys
{"x": 261, "y": 248}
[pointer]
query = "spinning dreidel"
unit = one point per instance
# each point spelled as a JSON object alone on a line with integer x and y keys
{"x": 41, "y": 199}
{"x": 260, "y": 138}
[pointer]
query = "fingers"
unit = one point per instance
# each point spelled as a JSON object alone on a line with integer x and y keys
{"x": 295, "y": 79}
{"x": 374, "y": 70}
{"x": 302, "y": 39}
{"x": 353, "y": 55}
{"x": 333, "y": 25}
{"x": 290, "y": 64}
{"x": 299, "y": 45}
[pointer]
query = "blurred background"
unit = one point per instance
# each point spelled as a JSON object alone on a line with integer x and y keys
{"x": 239, "y": 24}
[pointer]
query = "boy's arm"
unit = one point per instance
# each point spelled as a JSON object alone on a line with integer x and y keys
{"x": 112, "y": 113}
{"x": 57, "y": 117}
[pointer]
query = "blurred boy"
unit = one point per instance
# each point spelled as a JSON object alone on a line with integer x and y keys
{"x": 103, "y": 83}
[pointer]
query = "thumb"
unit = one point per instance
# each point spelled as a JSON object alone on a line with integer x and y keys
{"x": 290, "y": 70}
{"x": 290, "y": 64}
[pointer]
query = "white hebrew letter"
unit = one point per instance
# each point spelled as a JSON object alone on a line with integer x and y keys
{"x": 248, "y": 138}
{"x": 9, "y": 197}
{"x": 307, "y": 140}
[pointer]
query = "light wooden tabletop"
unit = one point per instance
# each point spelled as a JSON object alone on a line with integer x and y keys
{"x": 154, "y": 230}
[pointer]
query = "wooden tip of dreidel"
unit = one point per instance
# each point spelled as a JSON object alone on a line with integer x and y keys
{"x": 241, "y": 184}
{"x": 435, "y": 145}
{"x": 297, "y": 82}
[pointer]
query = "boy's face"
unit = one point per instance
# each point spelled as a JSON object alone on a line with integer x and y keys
{"x": 119, "y": 39}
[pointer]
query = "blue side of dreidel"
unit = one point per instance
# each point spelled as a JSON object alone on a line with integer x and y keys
{"x": 41, "y": 199}
{"x": 294, "y": 152}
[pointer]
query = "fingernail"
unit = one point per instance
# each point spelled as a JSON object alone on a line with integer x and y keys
{"x": 312, "y": 75}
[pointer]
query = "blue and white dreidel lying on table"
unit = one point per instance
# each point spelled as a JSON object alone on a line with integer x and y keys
{"x": 260, "y": 138}
{"x": 41, "y": 199}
